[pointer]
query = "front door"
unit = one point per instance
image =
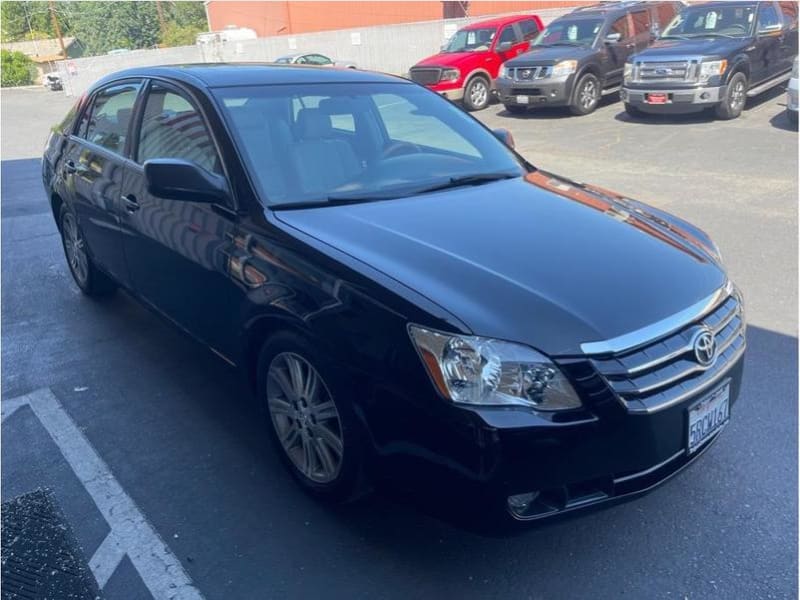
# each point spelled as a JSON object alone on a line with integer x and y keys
{"x": 617, "y": 53}
{"x": 767, "y": 60}
{"x": 178, "y": 252}
{"x": 93, "y": 168}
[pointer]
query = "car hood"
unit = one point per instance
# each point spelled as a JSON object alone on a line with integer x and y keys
{"x": 449, "y": 59}
{"x": 539, "y": 260}
{"x": 549, "y": 55}
{"x": 663, "y": 49}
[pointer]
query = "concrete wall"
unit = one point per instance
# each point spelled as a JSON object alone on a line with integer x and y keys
{"x": 387, "y": 48}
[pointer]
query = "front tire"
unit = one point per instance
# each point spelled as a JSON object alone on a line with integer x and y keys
{"x": 310, "y": 418}
{"x": 735, "y": 98}
{"x": 87, "y": 276}
{"x": 477, "y": 94}
{"x": 586, "y": 95}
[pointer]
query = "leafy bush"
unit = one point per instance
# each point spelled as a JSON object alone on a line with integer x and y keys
{"x": 15, "y": 69}
{"x": 180, "y": 35}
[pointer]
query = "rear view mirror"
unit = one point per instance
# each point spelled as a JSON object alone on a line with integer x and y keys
{"x": 176, "y": 179}
{"x": 504, "y": 135}
{"x": 612, "y": 38}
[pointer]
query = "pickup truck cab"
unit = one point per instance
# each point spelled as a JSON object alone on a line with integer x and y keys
{"x": 468, "y": 64}
{"x": 713, "y": 55}
{"x": 580, "y": 56}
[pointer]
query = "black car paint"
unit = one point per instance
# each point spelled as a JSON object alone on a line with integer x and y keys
{"x": 540, "y": 260}
{"x": 761, "y": 57}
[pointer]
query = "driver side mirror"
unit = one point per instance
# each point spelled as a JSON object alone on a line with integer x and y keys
{"x": 504, "y": 135}
{"x": 176, "y": 179}
{"x": 504, "y": 46}
{"x": 612, "y": 38}
{"x": 770, "y": 29}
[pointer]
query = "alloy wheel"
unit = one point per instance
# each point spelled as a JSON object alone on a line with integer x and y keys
{"x": 737, "y": 95}
{"x": 478, "y": 93}
{"x": 588, "y": 95}
{"x": 305, "y": 417}
{"x": 75, "y": 248}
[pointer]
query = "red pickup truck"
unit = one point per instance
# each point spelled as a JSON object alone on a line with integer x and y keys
{"x": 468, "y": 64}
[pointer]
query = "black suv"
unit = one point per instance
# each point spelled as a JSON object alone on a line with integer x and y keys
{"x": 714, "y": 55}
{"x": 580, "y": 57}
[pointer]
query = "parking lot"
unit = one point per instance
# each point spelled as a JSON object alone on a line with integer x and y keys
{"x": 162, "y": 469}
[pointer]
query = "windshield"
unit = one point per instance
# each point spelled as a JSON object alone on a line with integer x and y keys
{"x": 577, "y": 32}
{"x": 358, "y": 142}
{"x": 708, "y": 20}
{"x": 471, "y": 40}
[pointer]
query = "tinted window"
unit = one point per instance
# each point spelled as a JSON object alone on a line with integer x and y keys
{"x": 318, "y": 59}
{"x": 731, "y": 20}
{"x": 110, "y": 116}
{"x": 569, "y": 31}
{"x": 641, "y": 22}
{"x": 470, "y": 40}
{"x": 768, "y": 17}
{"x": 312, "y": 142}
{"x": 620, "y": 26}
{"x": 789, "y": 10}
{"x": 172, "y": 128}
{"x": 507, "y": 35}
{"x": 529, "y": 29}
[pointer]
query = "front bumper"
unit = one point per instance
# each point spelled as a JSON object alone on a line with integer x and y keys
{"x": 792, "y": 95}
{"x": 539, "y": 92}
{"x": 449, "y": 90}
{"x": 678, "y": 99}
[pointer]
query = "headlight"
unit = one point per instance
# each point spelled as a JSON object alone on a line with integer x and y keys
{"x": 626, "y": 75}
{"x": 564, "y": 68}
{"x": 450, "y": 75}
{"x": 487, "y": 372}
{"x": 709, "y": 69}
{"x": 505, "y": 72}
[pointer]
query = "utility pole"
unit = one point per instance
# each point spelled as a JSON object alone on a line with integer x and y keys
{"x": 57, "y": 27}
{"x": 161, "y": 23}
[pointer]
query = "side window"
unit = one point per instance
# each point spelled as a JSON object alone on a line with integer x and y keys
{"x": 529, "y": 29}
{"x": 110, "y": 116}
{"x": 507, "y": 35}
{"x": 318, "y": 59}
{"x": 789, "y": 10}
{"x": 620, "y": 26}
{"x": 641, "y": 22}
{"x": 768, "y": 17}
{"x": 301, "y": 60}
{"x": 665, "y": 11}
{"x": 404, "y": 123}
{"x": 172, "y": 128}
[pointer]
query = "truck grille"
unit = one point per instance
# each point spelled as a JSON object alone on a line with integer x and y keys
{"x": 529, "y": 73}
{"x": 425, "y": 76}
{"x": 665, "y": 71}
{"x": 665, "y": 371}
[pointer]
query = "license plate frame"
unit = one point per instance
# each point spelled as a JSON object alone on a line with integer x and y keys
{"x": 657, "y": 98}
{"x": 714, "y": 406}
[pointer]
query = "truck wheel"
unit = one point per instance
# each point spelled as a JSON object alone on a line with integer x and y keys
{"x": 586, "y": 95}
{"x": 735, "y": 97}
{"x": 477, "y": 93}
{"x": 633, "y": 111}
{"x": 516, "y": 109}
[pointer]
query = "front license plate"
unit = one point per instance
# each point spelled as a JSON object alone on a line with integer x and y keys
{"x": 523, "y": 99}
{"x": 708, "y": 416}
{"x": 657, "y": 98}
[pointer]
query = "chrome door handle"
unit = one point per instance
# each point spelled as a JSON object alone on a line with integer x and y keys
{"x": 131, "y": 204}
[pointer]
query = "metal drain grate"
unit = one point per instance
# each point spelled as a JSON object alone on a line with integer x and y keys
{"x": 40, "y": 557}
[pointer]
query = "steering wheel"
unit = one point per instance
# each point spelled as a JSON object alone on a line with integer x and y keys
{"x": 399, "y": 149}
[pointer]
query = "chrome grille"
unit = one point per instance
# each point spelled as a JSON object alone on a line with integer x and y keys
{"x": 529, "y": 73}
{"x": 665, "y": 71}
{"x": 425, "y": 76}
{"x": 665, "y": 371}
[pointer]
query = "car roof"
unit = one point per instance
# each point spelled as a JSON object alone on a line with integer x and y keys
{"x": 608, "y": 8}
{"x": 235, "y": 74}
{"x": 497, "y": 22}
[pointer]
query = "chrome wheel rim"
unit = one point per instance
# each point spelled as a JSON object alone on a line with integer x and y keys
{"x": 737, "y": 95}
{"x": 478, "y": 93}
{"x": 588, "y": 94}
{"x": 305, "y": 417}
{"x": 75, "y": 249}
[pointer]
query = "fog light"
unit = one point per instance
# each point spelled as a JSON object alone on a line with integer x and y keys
{"x": 553, "y": 93}
{"x": 705, "y": 96}
{"x": 520, "y": 503}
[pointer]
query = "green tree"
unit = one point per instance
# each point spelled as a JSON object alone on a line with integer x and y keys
{"x": 15, "y": 69}
{"x": 19, "y": 19}
{"x": 104, "y": 26}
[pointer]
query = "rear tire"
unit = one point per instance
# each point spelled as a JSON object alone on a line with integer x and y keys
{"x": 89, "y": 279}
{"x": 477, "y": 94}
{"x": 735, "y": 98}
{"x": 310, "y": 418}
{"x": 586, "y": 95}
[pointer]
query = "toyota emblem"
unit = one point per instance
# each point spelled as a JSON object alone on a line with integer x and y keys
{"x": 705, "y": 347}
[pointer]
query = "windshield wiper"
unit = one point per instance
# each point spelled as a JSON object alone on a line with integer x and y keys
{"x": 333, "y": 201}
{"x": 712, "y": 34}
{"x": 475, "y": 179}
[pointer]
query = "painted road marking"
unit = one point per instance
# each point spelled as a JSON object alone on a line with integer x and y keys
{"x": 131, "y": 534}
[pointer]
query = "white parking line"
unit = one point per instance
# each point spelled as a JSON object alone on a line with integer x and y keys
{"x": 131, "y": 534}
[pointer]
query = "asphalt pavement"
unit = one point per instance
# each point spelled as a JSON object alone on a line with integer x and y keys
{"x": 113, "y": 410}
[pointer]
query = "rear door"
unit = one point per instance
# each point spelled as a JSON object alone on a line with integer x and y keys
{"x": 179, "y": 252}
{"x": 93, "y": 167}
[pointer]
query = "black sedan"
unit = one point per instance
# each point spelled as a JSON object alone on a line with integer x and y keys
{"x": 408, "y": 296}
